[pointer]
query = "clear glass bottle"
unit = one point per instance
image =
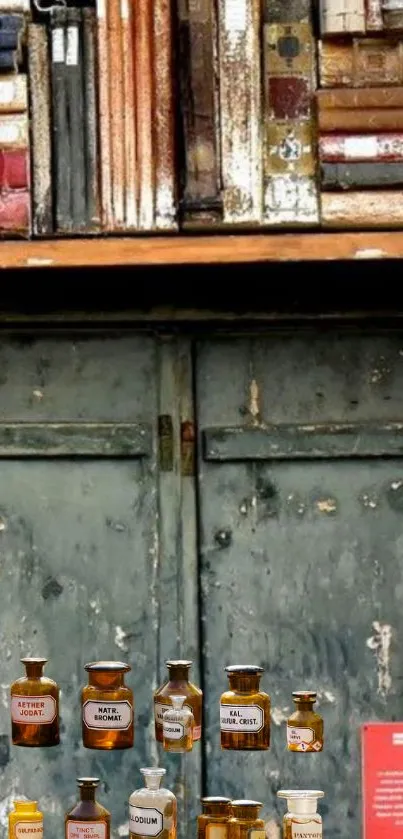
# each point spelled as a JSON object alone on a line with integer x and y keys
{"x": 34, "y": 707}
{"x": 178, "y": 684}
{"x": 87, "y": 819}
{"x": 25, "y": 821}
{"x": 213, "y": 821}
{"x": 107, "y": 707}
{"x": 244, "y": 822}
{"x": 304, "y": 726}
{"x": 245, "y": 710}
{"x": 302, "y": 821}
{"x": 177, "y": 727}
{"x": 152, "y": 809}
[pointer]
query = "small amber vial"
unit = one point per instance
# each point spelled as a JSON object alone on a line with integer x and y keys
{"x": 213, "y": 821}
{"x": 178, "y": 684}
{"x": 35, "y": 707}
{"x": 244, "y": 822}
{"x": 302, "y": 821}
{"x": 177, "y": 727}
{"x": 245, "y": 710}
{"x": 87, "y": 819}
{"x": 25, "y": 821}
{"x": 107, "y": 707}
{"x": 305, "y": 726}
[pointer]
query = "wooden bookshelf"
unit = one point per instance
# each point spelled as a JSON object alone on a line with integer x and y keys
{"x": 202, "y": 250}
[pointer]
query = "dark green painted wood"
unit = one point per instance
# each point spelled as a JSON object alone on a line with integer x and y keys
{"x": 78, "y": 439}
{"x": 347, "y": 440}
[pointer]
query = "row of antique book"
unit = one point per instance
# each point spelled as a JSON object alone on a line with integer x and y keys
{"x": 154, "y": 115}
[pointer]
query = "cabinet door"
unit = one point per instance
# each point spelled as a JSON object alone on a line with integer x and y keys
{"x": 301, "y": 523}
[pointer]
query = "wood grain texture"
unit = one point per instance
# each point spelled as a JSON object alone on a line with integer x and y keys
{"x": 361, "y": 208}
{"x": 117, "y": 107}
{"x": 40, "y": 96}
{"x": 129, "y": 98}
{"x": 143, "y": 59}
{"x": 105, "y": 160}
{"x": 163, "y": 118}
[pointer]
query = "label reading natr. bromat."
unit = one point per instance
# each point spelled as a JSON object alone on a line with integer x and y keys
{"x": 309, "y": 830}
{"x": 34, "y": 710}
{"x": 85, "y": 830}
{"x": 28, "y": 830}
{"x": 106, "y": 716}
{"x": 241, "y": 718}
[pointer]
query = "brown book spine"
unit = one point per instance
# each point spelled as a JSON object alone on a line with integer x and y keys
{"x": 130, "y": 187}
{"x": 104, "y": 117}
{"x": 165, "y": 191}
{"x": 365, "y": 97}
{"x": 365, "y": 120}
{"x": 392, "y": 14}
{"x": 364, "y": 208}
{"x": 361, "y": 62}
{"x": 358, "y": 147}
{"x": 373, "y": 15}
{"x": 117, "y": 119}
{"x": 143, "y": 55}
{"x": 39, "y": 75}
{"x": 340, "y": 17}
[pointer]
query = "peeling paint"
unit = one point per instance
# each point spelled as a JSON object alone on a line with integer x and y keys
{"x": 327, "y": 505}
{"x": 254, "y": 400}
{"x": 327, "y": 695}
{"x": 120, "y": 639}
{"x": 123, "y": 829}
{"x": 370, "y": 253}
{"x": 272, "y": 830}
{"x": 370, "y": 501}
{"x": 380, "y": 644}
{"x": 38, "y": 394}
{"x": 280, "y": 715}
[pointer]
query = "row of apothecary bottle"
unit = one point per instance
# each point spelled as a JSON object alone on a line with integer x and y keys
{"x": 108, "y": 710}
{"x": 153, "y": 813}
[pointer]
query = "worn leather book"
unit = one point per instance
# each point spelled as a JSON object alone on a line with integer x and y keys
{"x": 360, "y": 175}
{"x": 392, "y": 14}
{"x": 365, "y": 97}
{"x": 15, "y": 213}
{"x": 105, "y": 160}
{"x": 14, "y": 169}
{"x": 201, "y": 188}
{"x": 164, "y": 134}
{"x": 361, "y": 62}
{"x": 340, "y": 17}
{"x": 76, "y": 120}
{"x": 362, "y": 208}
{"x": 92, "y": 195}
{"x": 117, "y": 118}
{"x": 129, "y": 98}
{"x": 17, "y": 7}
{"x": 13, "y": 93}
{"x": 14, "y": 131}
{"x": 241, "y": 110}
{"x": 373, "y": 16}
{"x": 289, "y": 183}
{"x": 60, "y": 129}
{"x": 364, "y": 120}
{"x": 39, "y": 74}
{"x": 12, "y": 34}
{"x": 143, "y": 59}
{"x": 360, "y": 147}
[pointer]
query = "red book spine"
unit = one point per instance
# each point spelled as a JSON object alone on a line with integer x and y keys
{"x": 14, "y": 169}
{"x": 15, "y": 212}
{"x": 357, "y": 147}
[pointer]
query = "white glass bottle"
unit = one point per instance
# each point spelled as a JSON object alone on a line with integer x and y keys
{"x": 152, "y": 809}
{"x": 177, "y": 726}
{"x": 302, "y": 821}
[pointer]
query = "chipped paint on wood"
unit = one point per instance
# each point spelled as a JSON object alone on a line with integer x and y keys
{"x": 380, "y": 643}
{"x": 327, "y": 505}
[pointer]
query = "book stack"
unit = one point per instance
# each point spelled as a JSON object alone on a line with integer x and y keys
{"x": 360, "y": 113}
{"x": 15, "y": 198}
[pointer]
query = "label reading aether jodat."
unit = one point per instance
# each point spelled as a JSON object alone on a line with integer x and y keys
{"x": 309, "y": 830}
{"x": 26, "y": 830}
{"x": 85, "y": 830}
{"x": 173, "y": 730}
{"x": 145, "y": 821}
{"x": 38, "y": 710}
{"x": 105, "y": 715}
{"x": 241, "y": 718}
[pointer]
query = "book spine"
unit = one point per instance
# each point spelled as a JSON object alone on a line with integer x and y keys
{"x": 130, "y": 191}
{"x": 365, "y": 120}
{"x": 392, "y": 14}
{"x": 15, "y": 212}
{"x": 357, "y": 175}
{"x": 93, "y": 206}
{"x": 165, "y": 185}
{"x": 60, "y": 129}
{"x": 290, "y": 189}
{"x": 241, "y": 110}
{"x": 341, "y": 17}
{"x": 39, "y": 74}
{"x": 13, "y": 93}
{"x": 357, "y": 147}
{"x": 143, "y": 55}
{"x": 201, "y": 198}
{"x": 373, "y": 15}
{"x": 117, "y": 108}
{"x": 366, "y": 97}
{"x": 362, "y": 62}
{"x": 14, "y": 131}
{"x": 363, "y": 208}
{"x": 14, "y": 169}
{"x": 75, "y": 113}
{"x": 21, "y": 7}
{"x": 104, "y": 116}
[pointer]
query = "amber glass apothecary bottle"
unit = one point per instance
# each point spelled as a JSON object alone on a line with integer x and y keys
{"x": 244, "y": 822}
{"x": 25, "y": 821}
{"x": 245, "y": 710}
{"x": 178, "y": 684}
{"x": 304, "y": 726}
{"x": 152, "y": 809}
{"x": 35, "y": 707}
{"x": 302, "y": 821}
{"x": 213, "y": 821}
{"x": 107, "y": 707}
{"x": 177, "y": 727}
{"x": 88, "y": 819}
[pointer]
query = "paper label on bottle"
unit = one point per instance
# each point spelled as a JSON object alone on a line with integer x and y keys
{"x": 173, "y": 730}
{"x": 235, "y": 15}
{"x": 85, "y": 830}
{"x": 300, "y": 737}
{"x": 216, "y": 831}
{"x": 37, "y": 710}
{"x": 360, "y": 147}
{"x": 309, "y": 830}
{"x": 256, "y": 833}
{"x": 159, "y": 711}
{"x": 26, "y": 830}
{"x": 58, "y": 45}
{"x": 106, "y": 715}
{"x": 72, "y": 46}
{"x": 145, "y": 821}
{"x": 241, "y": 718}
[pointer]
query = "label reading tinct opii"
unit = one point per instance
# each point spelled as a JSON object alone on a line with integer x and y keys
{"x": 85, "y": 830}
{"x": 145, "y": 821}
{"x": 241, "y": 718}
{"x": 173, "y": 730}
{"x": 28, "y": 830}
{"x": 309, "y": 830}
{"x": 107, "y": 716}
{"x": 38, "y": 710}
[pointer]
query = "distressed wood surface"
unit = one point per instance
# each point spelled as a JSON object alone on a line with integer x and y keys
{"x": 363, "y": 208}
{"x": 357, "y": 175}
{"x": 81, "y": 439}
{"x": 301, "y": 560}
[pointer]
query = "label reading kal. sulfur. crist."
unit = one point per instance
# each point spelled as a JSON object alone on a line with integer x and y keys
{"x": 37, "y": 710}
{"x": 145, "y": 821}
{"x": 28, "y": 830}
{"x": 241, "y": 718}
{"x": 85, "y": 830}
{"x": 309, "y": 830}
{"x": 107, "y": 715}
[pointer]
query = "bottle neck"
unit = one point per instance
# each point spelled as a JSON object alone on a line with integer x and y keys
{"x": 304, "y": 706}
{"x": 87, "y": 793}
{"x": 34, "y": 671}
{"x": 244, "y": 683}
{"x": 106, "y": 680}
{"x": 246, "y": 813}
{"x": 178, "y": 673}
{"x": 177, "y": 702}
{"x": 302, "y": 807}
{"x": 216, "y": 810}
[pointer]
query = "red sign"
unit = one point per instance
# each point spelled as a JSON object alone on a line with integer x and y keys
{"x": 382, "y": 780}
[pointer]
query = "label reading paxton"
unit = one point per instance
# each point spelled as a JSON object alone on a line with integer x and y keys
{"x": 24, "y": 830}
{"x": 85, "y": 830}
{"x": 40, "y": 710}
{"x": 309, "y": 830}
{"x": 173, "y": 730}
{"x": 104, "y": 715}
{"x": 300, "y": 737}
{"x": 145, "y": 821}
{"x": 241, "y": 718}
